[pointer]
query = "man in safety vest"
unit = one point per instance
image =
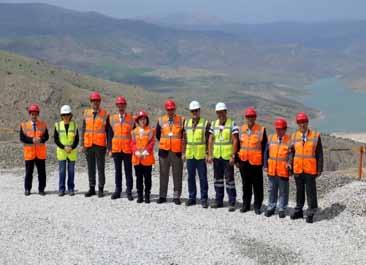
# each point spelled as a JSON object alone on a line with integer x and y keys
{"x": 94, "y": 142}
{"x": 253, "y": 141}
{"x": 169, "y": 133}
{"x": 307, "y": 166}
{"x": 278, "y": 167}
{"x": 66, "y": 137}
{"x": 222, "y": 147}
{"x": 196, "y": 133}
{"x": 34, "y": 135}
{"x": 119, "y": 146}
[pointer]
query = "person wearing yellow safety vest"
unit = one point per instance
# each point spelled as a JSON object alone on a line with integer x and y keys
{"x": 196, "y": 133}
{"x": 34, "y": 135}
{"x": 278, "y": 167}
{"x": 307, "y": 166}
{"x": 94, "y": 142}
{"x": 222, "y": 147}
{"x": 253, "y": 141}
{"x": 66, "y": 137}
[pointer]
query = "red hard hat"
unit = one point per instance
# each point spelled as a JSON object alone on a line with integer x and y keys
{"x": 170, "y": 104}
{"x": 280, "y": 123}
{"x": 302, "y": 117}
{"x": 121, "y": 100}
{"x": 140, "y": 114}
{"x": 33, "y": 108}
{"x": 95, "y": 96}
{"x": 250, "y": 112}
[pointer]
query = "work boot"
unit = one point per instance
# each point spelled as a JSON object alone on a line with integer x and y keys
{"x": 309, "y": 219}
{"x": 177, "y": 201}
{"x": 269, "y": 212}
{"x": 61, "y": 194}
{"x": 232, "y": 207}
{"x": 116, "y": 195}
{"x": 244, "y": 209}
{"x": 27, "y": 193}
{"x": 147, "y": 198}
{"x": 71, "y": 192}
{"x": 100, "y": 192}
{"x": 216, "y": 204}
{"x": 297, "y": 215}
{"x": 129, "y": 196}
{"x": 91, "y": 192}
{"x": 257, "y": 211}
{"x": 140, "y": 199}
{"x": 161, "y": 200}
{"x": 190, "y": 202}
{"x": 281, "y": 214}
{"x": 42, "y": 193}
{"x": 204, "y": 204}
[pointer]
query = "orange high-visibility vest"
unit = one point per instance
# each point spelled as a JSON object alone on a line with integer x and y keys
{"x": 171, "y": 134}
{"x": 121, "y": 141}
{"x": 251, "y": 144}
{"x": 34, "y": 151}
{"x": 95, "y": 133}
{"x": 278, "y": 156}
{"x": 304, "y": 158}
{"x": 143, "y": 136}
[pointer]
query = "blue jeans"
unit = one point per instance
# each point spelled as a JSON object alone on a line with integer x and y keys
{"x": 277, "y": 185}
{"x": 70, "y": 173}
{"x": 200, "y": 166}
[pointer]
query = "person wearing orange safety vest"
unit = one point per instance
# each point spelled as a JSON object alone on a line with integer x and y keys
{"x": 94, "y": 143}
{"x": 34, "y": 135}
{"x": 119, "y": 147}
{"x": 278, "y": 167}
{"x": 307, "y": 166}
{"x": 142, "y": 145}
{"x": 253, "y": 141}
{"x": 169, "y": 133}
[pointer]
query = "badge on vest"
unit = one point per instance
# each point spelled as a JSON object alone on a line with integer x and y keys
{"x": 170, "y": 134}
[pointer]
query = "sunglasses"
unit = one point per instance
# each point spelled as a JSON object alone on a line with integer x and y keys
{"x": 194, "y": 111}
{"x": 65, "y": 115}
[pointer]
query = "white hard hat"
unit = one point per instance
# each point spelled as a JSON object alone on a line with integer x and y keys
{"x": 194, "y": 105}
{"x": 65, "y": 109}
{"x": 220, "y": 106}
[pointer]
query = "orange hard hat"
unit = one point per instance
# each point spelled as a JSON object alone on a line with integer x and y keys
{"x": 95, "y": 96}
{"x": 250, "y": 112}
{"x": 280, "y": 123}
{"x": 302, "y": 117}
{"x": 33, "y": 108}
{"x": 170, "y": 104}
{"x": 121, "y": 100}
{"x": 141, "y": 114}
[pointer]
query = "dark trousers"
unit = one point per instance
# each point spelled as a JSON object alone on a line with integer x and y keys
{"x": 70, "y": 165}
{"x": 41, "y": 169}
{"x": 252, "y": 179}
{"x": 118, "y": 158}
{"x": 223, "y": 169}
{"x": 200, "y": 166}
{"x": 306, "y": 183}
{"x": 143, "y": 174}
{"x": 174, "y": 161}
{"x": 95, "y": 157}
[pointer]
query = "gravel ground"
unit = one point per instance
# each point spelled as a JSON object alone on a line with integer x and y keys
{"x": 78, "y": 230}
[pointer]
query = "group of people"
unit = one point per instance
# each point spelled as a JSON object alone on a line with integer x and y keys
{"x": 130, "y": 140}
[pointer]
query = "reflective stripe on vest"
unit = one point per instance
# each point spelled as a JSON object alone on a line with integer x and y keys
{"x": 196, "y": 139}
{"x": 143, "y": 138}
{"x": 171, "y": 134}
{"x": 223, "y": 142}
{"x": 33, "y": 151}
{"x": 66, "y": 140}
{"x": 304, "y": 158}
{"x": 121, "y": 141}
{"x": 278, "y": 156}
{"x": 95, "y": 133}
{"x": 251, "y": 144}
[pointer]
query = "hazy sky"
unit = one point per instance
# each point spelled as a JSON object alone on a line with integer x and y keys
{"x": 252, "y": 11}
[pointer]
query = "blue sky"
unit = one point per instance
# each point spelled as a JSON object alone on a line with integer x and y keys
{"x": 252, "y": 11}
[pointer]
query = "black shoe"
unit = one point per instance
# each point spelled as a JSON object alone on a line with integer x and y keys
{"x": 161, "y": 200}
{"x": 244, "y": 209}
{"x": 232, "y": 208}
{"x": 27, "y": 193}
{"x": 215, "y": 205}
{"x": 61, "y": 194}
{"x": 190, "y": 202}
{"x": 297, "y": 215}
{"x": 129, "y": 196}
{"x": 71, "y": 193}
{"x": 116, "y": 195}
{"x": 257, "y": 211}
{"x": 281, "y": 214}
{"x": 177, "y": 201}
{"x": 91, "y": 192}
{"x": 140, "y": 199}
{"x": 309, "y": 219}
{"x": 147, "y": 198}
{"x": 269, "y": 213}
{"x": 100, "y": 193}
{"x": 42, "y": 193}
{"x": 204, "y": 204}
